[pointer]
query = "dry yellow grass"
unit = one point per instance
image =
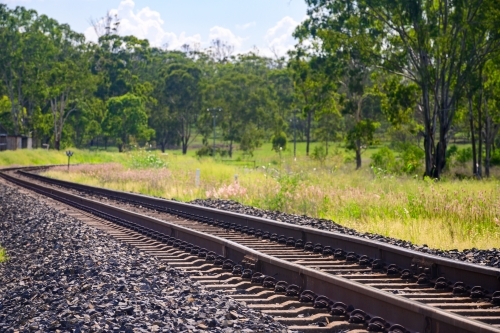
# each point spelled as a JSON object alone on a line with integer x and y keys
{"x": 446, "y": 215}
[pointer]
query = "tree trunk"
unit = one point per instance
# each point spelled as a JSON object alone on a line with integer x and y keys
{"x": 184, "y": 147}
{"x": 480, "y": 138}
{"x": 231, "y": 148}
{"x": 308, "y": 132}
{"x": 358, "y": 154}
{"x": 162, "y": 146}
{"x": 120, "y": 148}
{"x": 490, "y": 132}
{"x": 487, "y": 159}
{"x": 428, "y": 133}
{"x": 57, "y": 144}
{"x": 473, "y": 137}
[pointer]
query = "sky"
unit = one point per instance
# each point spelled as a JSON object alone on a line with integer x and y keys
{"x": 245, "y": 24}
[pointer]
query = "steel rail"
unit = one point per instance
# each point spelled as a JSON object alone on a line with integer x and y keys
{"x": 414, "y": 315}
{"x": 436, "y": 266}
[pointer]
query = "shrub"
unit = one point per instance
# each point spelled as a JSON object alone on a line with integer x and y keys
{"x": 411, "y": 157}
{"x": 452, "y": 151}
{"x": 384, "y": 159}
{"x": 144, "y": 160}
{"x": 464, "y": 155}
{"x": 204, "y": 151}
{"x": 279, "y": 141}
{"x": 319, "y": 154}
{"x": 495, "y": 157}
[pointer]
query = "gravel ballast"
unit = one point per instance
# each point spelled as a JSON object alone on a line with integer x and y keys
{"x": 65, "y": 276}
{"x": 490, "y": 257}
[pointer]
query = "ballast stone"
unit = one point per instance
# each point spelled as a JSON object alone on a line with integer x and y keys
{"x": 64, "y": 275}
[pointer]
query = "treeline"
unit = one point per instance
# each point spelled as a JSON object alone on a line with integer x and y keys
{"x": 417, "y": 74}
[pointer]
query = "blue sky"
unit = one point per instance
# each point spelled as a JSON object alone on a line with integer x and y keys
{"x": 266, "y": 24}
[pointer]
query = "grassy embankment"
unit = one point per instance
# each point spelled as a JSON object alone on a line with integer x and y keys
{"x": 43, "y": 157}
{"x": 449, "y": 214}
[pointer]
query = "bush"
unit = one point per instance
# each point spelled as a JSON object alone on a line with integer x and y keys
{"x": 495, "y": 157}
{"x": 279, "y": 141}
{"x": 319, "y": 154}
{"x": 452, "y": 151}
{"x": 384, "y": 159}
{"x": 144, "y": 160}
{"x": 204, "y": 151}
{"x": 411, "y": 157}
{"x": 464, "y": 155}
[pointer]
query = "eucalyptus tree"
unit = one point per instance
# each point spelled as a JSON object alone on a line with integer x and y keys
{"x": 241, "y": 91}
{"x": 182, "y": 94}
{"x": 313, "y": 86}
{"x": 21, "y": 62}
{"x": 127, "y": 117}
{"x": 69, "y": 80}
{"x": 436, "y": 44}
{"x": 491, "y": 106}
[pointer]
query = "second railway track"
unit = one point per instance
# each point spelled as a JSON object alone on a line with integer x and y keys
{"x": 322, "y": 272}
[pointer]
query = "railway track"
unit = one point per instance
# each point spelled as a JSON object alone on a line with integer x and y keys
{"x": 299, "y": 274}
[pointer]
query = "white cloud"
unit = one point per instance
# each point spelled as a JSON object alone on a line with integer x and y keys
{"x": 246, "y": 25}
{"x": 279, "y": 38}
{"x": 226, "y": 36}
{"x": 146, "y": 23}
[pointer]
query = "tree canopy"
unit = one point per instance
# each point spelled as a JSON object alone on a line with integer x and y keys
{"x": 416, "y": 73}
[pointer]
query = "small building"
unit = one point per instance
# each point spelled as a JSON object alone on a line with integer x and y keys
{"x": 14, "y": 142}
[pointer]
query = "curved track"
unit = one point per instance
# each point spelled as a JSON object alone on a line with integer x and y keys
{"x": 422, "y": 292}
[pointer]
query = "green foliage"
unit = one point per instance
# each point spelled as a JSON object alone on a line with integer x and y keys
{"x": 362, "y": 132}
{"x": 319, "y": 153}
{"x": 145, "y": 160}
{"x": 127, "y": 117}
{"x": 384, "y": 159}
{"x": 464, "y": 155}
{"x": 251, "y": 139}
{"x": 288, "y": 184}
{"x": 204, "y": 151}
{"x": 495, "y": 157}
{"x": 279, "y": 141}
{"x": 452, "y": 151}
{"x": 412, "y": 158}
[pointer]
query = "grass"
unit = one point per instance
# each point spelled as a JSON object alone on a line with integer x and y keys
{"x": 449, "y": 214}
{"x": 3, "y": 255}
{"x": 42, "y": 157}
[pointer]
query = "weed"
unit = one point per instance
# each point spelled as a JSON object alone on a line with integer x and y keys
{"x": 3, "y": 255}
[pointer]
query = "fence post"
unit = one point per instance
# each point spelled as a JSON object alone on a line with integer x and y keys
{"x": 197, "y": 178}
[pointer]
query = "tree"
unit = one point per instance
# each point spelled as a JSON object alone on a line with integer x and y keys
{"x": 183, "y": 96}
{"x": 22, "y": 38}
{"x": 127, "y": 118}
{"x": 491, "y": 104}
{"x": 242, "y": 91}
{"x": 69, "y": 79}
{"x": 436, "y": 44}
{"x": 313, "y": 85}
